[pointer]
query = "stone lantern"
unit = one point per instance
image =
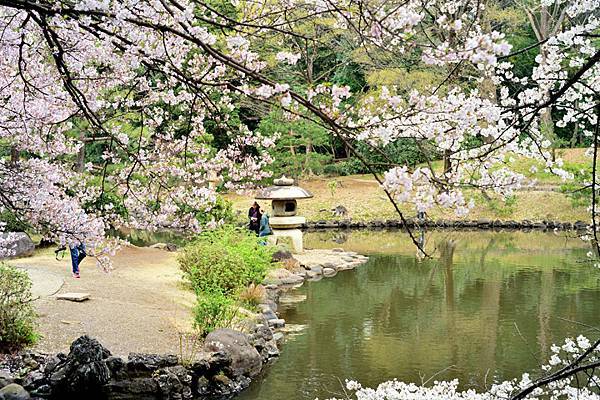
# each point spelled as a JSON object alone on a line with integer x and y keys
{"x": 284, "y": 205}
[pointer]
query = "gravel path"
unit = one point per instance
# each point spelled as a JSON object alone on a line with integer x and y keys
{"x": 139, "y": 307}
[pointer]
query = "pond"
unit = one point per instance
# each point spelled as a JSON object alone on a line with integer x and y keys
{"x": 488, "y": 307}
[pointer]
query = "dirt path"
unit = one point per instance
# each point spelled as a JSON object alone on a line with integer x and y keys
{"x": 139, "y": 307}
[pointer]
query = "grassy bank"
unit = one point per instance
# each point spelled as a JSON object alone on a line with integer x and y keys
{"x": 365, "y": 200}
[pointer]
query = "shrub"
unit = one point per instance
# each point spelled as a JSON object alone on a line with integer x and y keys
{"x": 212, "y": 268}
{"x": 253, "y": 294}
{"x": 225, "y": 260}
{"x": 212, "y": 311}
{"x": 12, "y": 222}
{"x": 223, "y": 266}
{"x": 17, "y": 315}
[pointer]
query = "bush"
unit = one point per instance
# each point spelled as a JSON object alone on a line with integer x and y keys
{"x": 221, "y": 210}
{"x": 400, "y": 152}
{"x": 210, "y": 268}
{"x": 13, "y": 223}
{"x": 225, "y": 260}
{"x": 253, "y": 295}
{"x": 222, "y": 266}
{"x": 212, "y": 311}
{"x": 17, "y": 315}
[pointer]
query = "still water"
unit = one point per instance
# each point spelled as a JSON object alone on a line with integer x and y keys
{"x": 487, "y": 307}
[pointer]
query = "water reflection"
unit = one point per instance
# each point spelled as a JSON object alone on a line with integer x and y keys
{"x": 488, "y": 306}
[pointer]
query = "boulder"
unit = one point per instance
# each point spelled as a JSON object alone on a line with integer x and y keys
{"x": 277, "y": 323}
{"x": 83, "y": 371}
{"x": 220, "y": 386}
{"x": 164, "y": 246}
{"x": 150, "y": 362}
{"x": 263, "y": 332}
{"x": 6, "y": 379}
{"x": 174, "y": 383}
{"x": 269, "y": 314}
{"x": 210, "y": 363}
{"x": 14, "y": 392}
{"x": 315, "y": 272}
{"x": 282, "y": 276}
{"x": 18, "y": 244}
{"x": 136, "y": 388}
{"x": 34, "y": 380}
{"x": 580, "y": 225}
{"x": 171, "y": 247}
{"x": 281, "y": 255}
{"x": 245, "y": 359}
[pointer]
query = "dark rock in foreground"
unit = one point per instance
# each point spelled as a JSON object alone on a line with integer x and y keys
{"x": 224, "y": 368}
{"x": 281, "y": 255}
{"x": 245, "y": 359}
{"x": 14, "y": 392}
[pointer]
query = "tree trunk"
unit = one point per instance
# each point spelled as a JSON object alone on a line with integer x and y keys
{"x": 80, "y": 163}
{"x": 307, "y": 159}
{"x": 447, "y": 161}
{"x": 14, "y": 155}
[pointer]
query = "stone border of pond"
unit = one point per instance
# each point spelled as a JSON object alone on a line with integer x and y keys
{"x": 221, "y": 368}
{"x": 452, "y": 224}
{"x": 311, "y": 265}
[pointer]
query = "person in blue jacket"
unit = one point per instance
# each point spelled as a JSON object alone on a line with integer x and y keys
{"x": 265, "y": 228}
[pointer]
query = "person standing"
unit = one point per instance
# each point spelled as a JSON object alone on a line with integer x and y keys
{"x": 254, "y": 215}
{"x": 77, "y": 255}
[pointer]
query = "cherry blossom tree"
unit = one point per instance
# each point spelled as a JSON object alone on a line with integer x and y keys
{"x": 155, "y": 82}
{"x": 146, "y": 78}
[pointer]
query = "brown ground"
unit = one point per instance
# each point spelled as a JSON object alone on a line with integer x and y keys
{"x": 365, "y": 200}
{"x": 139, "y": 307}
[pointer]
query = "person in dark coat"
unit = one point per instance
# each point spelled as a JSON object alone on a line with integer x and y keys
{"x": 254, "y": 215}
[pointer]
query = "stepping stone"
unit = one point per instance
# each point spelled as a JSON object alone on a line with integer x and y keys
{"x": 78, "y": 297}
{"x": 277, "y": 323}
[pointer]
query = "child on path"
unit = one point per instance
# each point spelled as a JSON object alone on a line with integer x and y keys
{"x": 77, "y": 255}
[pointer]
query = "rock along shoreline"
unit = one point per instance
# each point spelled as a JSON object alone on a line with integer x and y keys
{"x": 450, "y": 224}
{"x": 224, "y": 366}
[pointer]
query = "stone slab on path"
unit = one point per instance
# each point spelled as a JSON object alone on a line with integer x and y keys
{"x": 143, "y": 289}
{"x": 72, "y": 296}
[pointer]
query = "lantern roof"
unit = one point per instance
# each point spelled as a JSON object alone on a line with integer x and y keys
{"x": 283, "y": 189}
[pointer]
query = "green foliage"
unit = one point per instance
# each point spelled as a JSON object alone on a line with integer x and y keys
{"x": 221, "y": 211}
{"x": 304, "y": 147}
{"x": 578, "y": 189}
{"x": 351, "y": 166}
{"x": 404, "y": 80}
{"x": 400, "y": 152}
{"x": 13, "y": 223}
{"x": 503, "y": 208}
{"x": 107, "y": 201}
{"x": 212, "y": 311}
{"x": 220, "y": 265}
{"x": 332, "y": 186}
{"x": 212, "y": 268}
{"x": 17, "y": 315}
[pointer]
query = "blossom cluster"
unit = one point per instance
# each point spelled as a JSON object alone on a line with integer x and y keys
{"x": 155, "y": 85}
{"x": 571, "y": 354}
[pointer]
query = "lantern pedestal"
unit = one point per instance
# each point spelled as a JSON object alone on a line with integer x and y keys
{"x": 294, "y": 234}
